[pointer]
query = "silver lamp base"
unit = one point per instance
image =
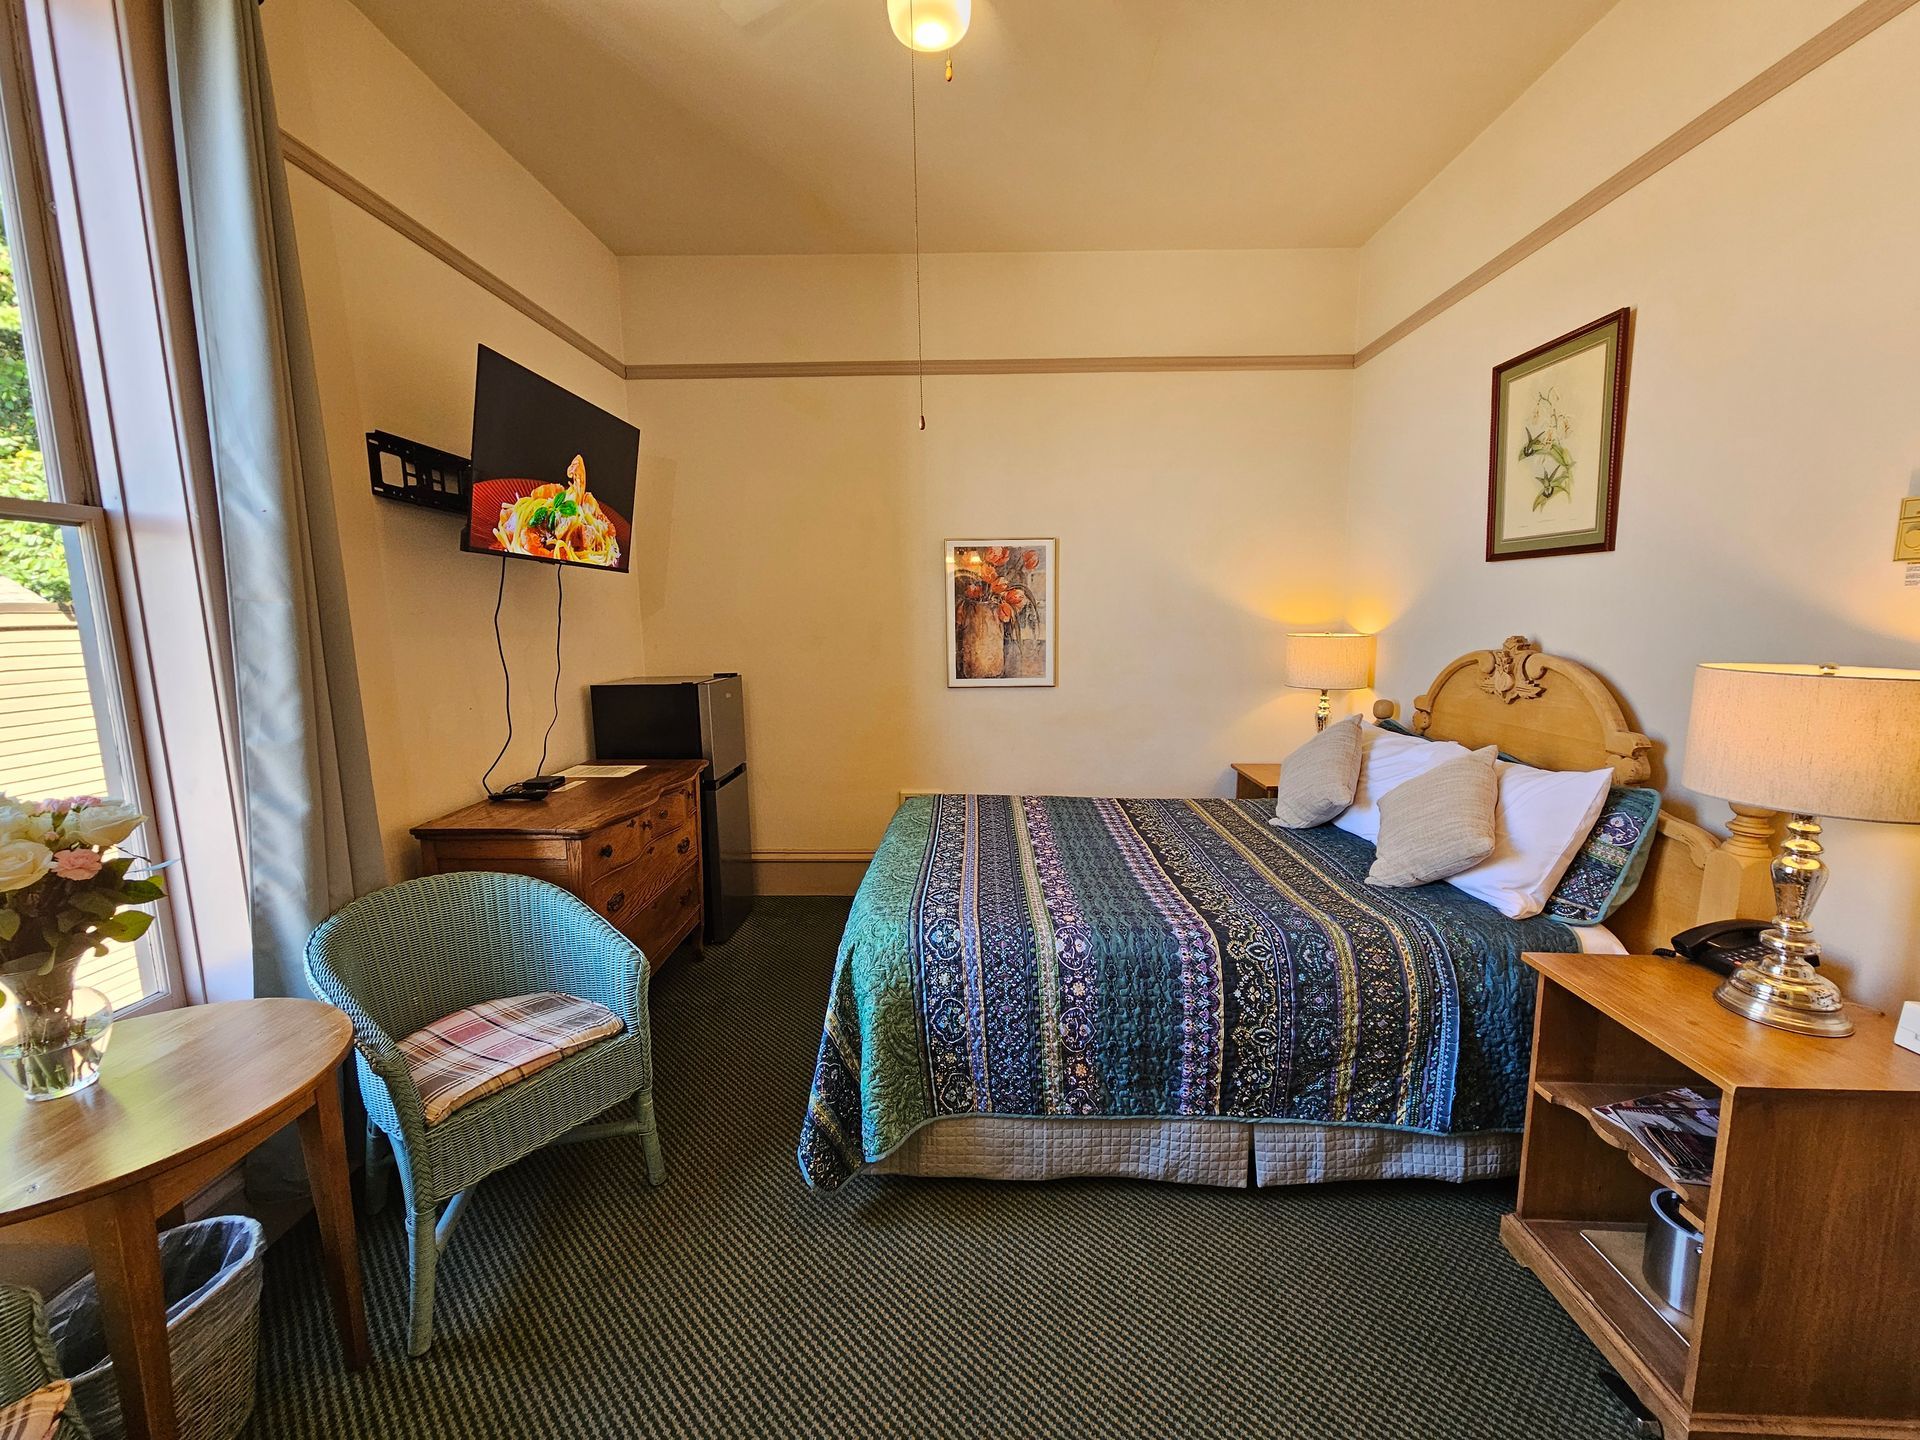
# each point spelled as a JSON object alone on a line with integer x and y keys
{"x": 1807, "y": 1004}
{"x": 1784, "y": 990}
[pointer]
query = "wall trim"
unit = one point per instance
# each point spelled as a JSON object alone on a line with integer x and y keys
{"x": 1037, "y": 365}
{"x": 810, "y": 857}
{"x": 1798, "y": 63}
{"x": 304, "y": 157}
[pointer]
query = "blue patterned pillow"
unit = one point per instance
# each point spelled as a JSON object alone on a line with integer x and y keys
{"x": 1609, "y": 863}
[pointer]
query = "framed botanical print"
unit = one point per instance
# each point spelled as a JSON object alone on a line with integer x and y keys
{"x": 1002, "y": 610}
{"x": 1553, "y": 486}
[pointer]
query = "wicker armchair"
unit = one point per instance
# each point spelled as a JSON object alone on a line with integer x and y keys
{"x": 420, "y": 950}
{"x": 26, "y": 1356}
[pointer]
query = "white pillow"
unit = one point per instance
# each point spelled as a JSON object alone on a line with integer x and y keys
{"x": 1390, "y": 760}
{"x": 1540, "y": 822}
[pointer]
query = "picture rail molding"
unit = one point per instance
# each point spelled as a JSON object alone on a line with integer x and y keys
{"x": 1852, "y": 27}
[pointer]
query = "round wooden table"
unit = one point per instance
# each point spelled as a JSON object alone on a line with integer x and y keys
{"x": 182, "y": 1096}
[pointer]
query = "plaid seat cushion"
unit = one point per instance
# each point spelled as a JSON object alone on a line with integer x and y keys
{"x": 484, "y": 1048}
{"x": 35, "y": 1416}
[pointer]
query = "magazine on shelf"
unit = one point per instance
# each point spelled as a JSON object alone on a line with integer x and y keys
{"x": 1678, "y": 1127}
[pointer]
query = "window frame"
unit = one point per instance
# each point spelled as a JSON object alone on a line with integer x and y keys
{"x": 86, "y": 120}
{"x": 72, "y": 488}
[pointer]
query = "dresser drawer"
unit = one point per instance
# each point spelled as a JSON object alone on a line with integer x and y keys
{"x": 620, "y": 844}
{"x": 658, "y": 928}
{"x": 619, "y": 893}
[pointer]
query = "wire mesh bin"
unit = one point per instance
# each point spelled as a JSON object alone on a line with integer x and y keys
{"x": 210, "y": 1273}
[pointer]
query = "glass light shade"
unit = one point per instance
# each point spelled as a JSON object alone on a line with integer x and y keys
{"x": 930, "y": 25}
{"x": 1329, "y": 661}
{"x": 1828, "y": 740}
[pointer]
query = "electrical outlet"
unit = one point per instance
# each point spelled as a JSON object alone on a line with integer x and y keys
{"x": 1906, "y": 535}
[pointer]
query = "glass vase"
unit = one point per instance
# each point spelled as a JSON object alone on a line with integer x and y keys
{"x": 52, "y": 1032}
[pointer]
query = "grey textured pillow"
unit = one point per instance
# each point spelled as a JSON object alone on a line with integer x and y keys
{"x": 1317, "y": 781}
{"x": 1437, "y": 824}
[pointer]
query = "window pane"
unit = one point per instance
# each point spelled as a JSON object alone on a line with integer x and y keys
{"x": 56, "y": 740}
{"x": 23, "y": 475}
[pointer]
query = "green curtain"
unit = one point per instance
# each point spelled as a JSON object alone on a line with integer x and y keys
{"x": 312, "y": 836}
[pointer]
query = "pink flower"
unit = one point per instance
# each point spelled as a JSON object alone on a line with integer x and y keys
{"x": 76, "y": 864}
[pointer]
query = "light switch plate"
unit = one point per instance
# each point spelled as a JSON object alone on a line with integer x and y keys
{"x": 1906, "y": 535}
{"x": 1908, "y": 1032}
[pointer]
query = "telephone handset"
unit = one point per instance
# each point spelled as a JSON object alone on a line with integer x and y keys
{"x": 1722, "y": 945}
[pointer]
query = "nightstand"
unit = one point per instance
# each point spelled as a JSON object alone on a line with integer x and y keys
{"x": 1803, "y": 1323}
{"x": 1255, "y": 780}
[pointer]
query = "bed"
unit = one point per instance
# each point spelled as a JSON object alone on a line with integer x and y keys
{"x": 1032, "y": 987}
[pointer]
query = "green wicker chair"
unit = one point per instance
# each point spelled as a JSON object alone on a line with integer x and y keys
{"x": 420, "y": 950}
{"x": 26, "y": 1356}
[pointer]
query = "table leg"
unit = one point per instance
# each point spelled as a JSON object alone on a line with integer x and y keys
{"x": 323, "y": 1140}
{"x": 133, "y": 1308}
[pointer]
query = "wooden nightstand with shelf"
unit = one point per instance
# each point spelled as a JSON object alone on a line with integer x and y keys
{"x": 1255, "y": 780}
{"x": 1804, "y": 1321}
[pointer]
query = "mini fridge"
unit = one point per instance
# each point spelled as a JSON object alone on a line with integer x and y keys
{"x": 691, "y": 717}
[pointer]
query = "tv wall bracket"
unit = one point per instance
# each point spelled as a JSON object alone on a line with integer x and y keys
{"x": 417, "y": 474}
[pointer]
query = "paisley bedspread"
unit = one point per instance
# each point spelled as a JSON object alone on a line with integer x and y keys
{"x": 1049, "y": 956}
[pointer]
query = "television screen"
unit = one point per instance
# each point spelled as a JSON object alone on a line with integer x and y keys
{"x": 553, "y": 476}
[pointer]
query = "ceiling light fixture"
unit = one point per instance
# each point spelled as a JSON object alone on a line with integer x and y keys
{"x": 930, "y": 26}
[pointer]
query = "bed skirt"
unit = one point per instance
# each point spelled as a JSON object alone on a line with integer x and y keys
{"x": 1194, "y": 1152}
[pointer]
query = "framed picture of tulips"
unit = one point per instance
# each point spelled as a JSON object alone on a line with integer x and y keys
{"x": 1002, "y": 612}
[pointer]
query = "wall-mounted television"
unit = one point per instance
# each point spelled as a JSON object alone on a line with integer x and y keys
{"x": 553, "y": 475}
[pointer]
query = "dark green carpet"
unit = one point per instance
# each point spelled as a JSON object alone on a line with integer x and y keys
{"x": 733, "y": 1302}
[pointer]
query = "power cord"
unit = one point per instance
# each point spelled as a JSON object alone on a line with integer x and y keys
{"x": 559, "y": 619}
{"x": 506, "y": 676}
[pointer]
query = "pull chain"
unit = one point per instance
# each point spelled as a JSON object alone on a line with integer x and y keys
{"x": 919, "y": 326}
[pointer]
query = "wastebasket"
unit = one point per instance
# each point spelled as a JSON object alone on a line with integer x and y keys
{"x": 210, "y": 1276}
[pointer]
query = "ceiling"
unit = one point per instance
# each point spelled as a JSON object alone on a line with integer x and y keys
{"x": 781, "y": 126}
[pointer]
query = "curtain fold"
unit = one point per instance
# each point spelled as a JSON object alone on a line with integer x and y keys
{"x": 312, "y": 835}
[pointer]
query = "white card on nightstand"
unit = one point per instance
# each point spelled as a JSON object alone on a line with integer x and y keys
{"x": 1908, "y": 1033}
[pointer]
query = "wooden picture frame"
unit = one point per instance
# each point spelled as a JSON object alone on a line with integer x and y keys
{"x": 1553, "y": 470}
{"x": 1003, "y": 612}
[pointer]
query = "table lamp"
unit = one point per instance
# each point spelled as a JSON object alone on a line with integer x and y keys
{"x": 1326, "y": 660}
{"x": 1810, "y": 740}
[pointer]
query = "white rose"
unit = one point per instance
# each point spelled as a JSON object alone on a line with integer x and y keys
{"x": 13, "y": 818}
{"x": 99, "y": 826}
{"x": 22, "y": 863}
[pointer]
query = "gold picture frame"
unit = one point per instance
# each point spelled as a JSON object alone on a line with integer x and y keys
{"x": 1559, "y": 411}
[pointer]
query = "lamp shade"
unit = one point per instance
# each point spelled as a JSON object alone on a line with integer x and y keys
{"x": 930, "y": 25}
{"x": 1827, "y": 740}
{"x": 1326, "y": 660}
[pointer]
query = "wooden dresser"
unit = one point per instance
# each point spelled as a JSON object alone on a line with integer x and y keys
{"x": 1803, "y": 1323}
{"x": 629, "y": 847}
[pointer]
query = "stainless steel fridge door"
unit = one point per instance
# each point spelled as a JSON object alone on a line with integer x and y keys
{"x": 729, "y": 842}
{"x": 723, "y": 718}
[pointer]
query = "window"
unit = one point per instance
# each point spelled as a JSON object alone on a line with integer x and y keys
{"x": 64, "y": 718}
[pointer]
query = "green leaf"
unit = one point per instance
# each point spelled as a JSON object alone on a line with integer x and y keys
{"x": 120, "y": 865}
{"x": 127, "y": 925}
{"x": 97, "y": 903}
{"x": 9, "y": 924}
{"x": 138, "y": 892}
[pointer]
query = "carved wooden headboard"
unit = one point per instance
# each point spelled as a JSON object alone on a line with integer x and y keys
{"x": 1557, "y": 714}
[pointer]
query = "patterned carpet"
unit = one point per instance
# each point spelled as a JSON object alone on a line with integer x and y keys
{"x": 732, "y": 1302}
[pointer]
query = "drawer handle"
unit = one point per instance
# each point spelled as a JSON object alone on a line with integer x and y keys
{"x": 685, "y": 845}
{"x": 619, "y": 899}
{"x": 606, "y": 852}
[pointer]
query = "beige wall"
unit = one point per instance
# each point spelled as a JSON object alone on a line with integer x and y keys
{"x": 1771, "y": 428}
{"x": 394, "y": 338}
{"x": 799, "y": 522}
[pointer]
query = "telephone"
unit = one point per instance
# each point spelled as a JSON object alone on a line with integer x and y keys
{"x": 1722, "y": 945}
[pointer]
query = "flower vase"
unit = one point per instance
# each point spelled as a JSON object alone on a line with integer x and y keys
{"x": 983, "y": 642}
{"x": 52, "y": 1032}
